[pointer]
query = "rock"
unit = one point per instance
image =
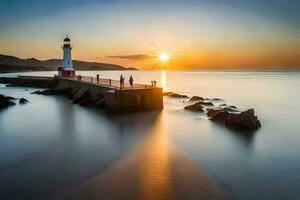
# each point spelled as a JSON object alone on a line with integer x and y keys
{"x": 221, "y": 116}
{"x": 23, "y": 101}
{"x": 5, "y": 101}
{"x": 223, "y": 105}
{"x": 230, "y": 109}
{"x": 48, "y": 92}
{"x": 175, "y": 95}
{"x": 10, "y": 98}
{"x": 195, "y": 108}
{"x": 206, "y": 103}
{"x": 167, "y": 93}
{"x": 245, "y": 121}
{"x": 212, "y": 112}
{"x": 100, "y": 103}
{"x": 196, "y": 98}
{"x": 37, "y": 92}
{"x": 81, "y": 97}
{"x": 86, "y": 102}
{"x": 217, "y": 99}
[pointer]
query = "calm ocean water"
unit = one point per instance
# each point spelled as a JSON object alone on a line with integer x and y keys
{"x": 50, "y": 146}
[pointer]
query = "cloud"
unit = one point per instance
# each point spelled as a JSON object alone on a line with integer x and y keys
{"x": 132, "y": 57}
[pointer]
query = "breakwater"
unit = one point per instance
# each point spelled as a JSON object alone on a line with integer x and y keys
{"x": 89, "y": 92}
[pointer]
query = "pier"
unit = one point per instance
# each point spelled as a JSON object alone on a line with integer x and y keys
{"x": 139, "y": 97}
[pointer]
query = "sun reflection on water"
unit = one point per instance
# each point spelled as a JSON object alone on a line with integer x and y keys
{"x": 155, "y": 174}
{"x": 163, "y": 80}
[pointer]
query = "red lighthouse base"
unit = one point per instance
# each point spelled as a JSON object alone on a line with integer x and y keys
{"x": 66, "y": 73}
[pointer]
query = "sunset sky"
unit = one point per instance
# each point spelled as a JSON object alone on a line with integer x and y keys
{"x": 197, "y": 34}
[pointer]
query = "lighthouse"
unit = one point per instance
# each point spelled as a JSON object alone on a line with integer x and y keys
{"x": 66, "y": 70}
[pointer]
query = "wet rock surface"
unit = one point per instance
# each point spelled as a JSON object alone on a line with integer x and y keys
{"x": 23, "y": 101}
{"x": 229, "y": 115}
{"x": 166, "y": 94}
{"x": 246, "y": 120}
{"x": 206, "y": 103}
{"x": 175, "y": 95}
{"x": 195, "y": 107}
{"x": 196, "y": 98}
{"x": 5, "y": 101}
{"x": 79, "y": 96}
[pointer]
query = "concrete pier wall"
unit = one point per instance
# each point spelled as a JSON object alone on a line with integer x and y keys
{"x": 134, "y": 100}
{"x": 116, "y": 100}
{"x": 121, "y": 101}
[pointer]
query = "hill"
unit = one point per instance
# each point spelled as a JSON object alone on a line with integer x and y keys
{"x": 15, "y": 64}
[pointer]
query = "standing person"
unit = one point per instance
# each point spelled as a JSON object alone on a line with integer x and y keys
{"x": 131, "y": 81}
{"x": 97, "y": 78}
{"x": 154, "y": 83}
{"x": 121, "y": 80}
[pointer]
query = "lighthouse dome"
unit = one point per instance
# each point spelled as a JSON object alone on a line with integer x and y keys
{"x": 67, "y": 39}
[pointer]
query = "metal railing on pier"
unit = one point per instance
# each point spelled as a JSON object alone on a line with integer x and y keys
{"x": 114, "y": 84}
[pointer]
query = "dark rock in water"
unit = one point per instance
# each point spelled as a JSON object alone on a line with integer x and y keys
{"x": 217, "y": 99}
{"x": 23, "y": 101}
{"x": 45, "y": 92}
{"x": 224, "y": 107}
{"x": 10, "y": 98}
{"x": 212, "y": 112}
{"x": 206, "y": 103}
{"x": 174, "y": 95}
{"x": 221, "y": 116}
{"x": 229, "y": 109}
{"x": 5, "y": 101}
{"x": 245, "y": 120}
{"x": 195, "y": 108}
{"x": 81, "y": 97}
{"x": 223, "y": 104}
{"x": 167, "y": 93}
{"x": 100, "y": 103}
{"x": 37, "y": 92}
{"x": 196, "y": 98}
{"x": 86, "y": 102}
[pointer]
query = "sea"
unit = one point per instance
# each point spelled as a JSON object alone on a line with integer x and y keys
{"x": 50, "y": 147}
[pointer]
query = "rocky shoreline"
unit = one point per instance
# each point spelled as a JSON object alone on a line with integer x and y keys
{"x": 81, "y": 96}
{"x": 7, "y": 101}
{"x": 230, "y": 116}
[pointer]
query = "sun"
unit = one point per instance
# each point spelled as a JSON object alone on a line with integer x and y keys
{"x": 164, "y": 57}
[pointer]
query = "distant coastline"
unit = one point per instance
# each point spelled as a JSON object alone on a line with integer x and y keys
{"x": 11, "y": 64}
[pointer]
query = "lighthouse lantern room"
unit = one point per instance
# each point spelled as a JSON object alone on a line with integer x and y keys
{"x": 66, "y": 70}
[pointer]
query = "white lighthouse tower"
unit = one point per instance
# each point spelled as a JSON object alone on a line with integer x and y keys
{"x": 67, "y": 66}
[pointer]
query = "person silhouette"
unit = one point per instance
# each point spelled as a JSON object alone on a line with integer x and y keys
{"x": 121, "y": 81}
{"x": 131, "y": 81}
{"x": 97, "y": 78}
